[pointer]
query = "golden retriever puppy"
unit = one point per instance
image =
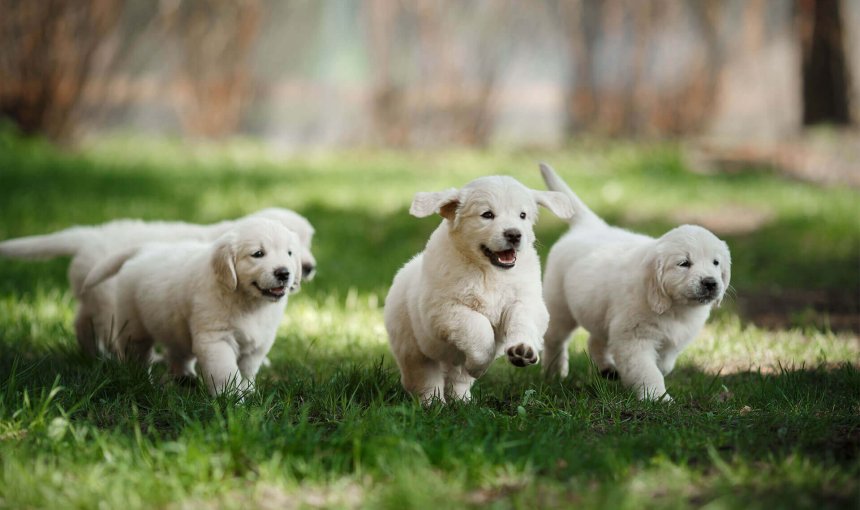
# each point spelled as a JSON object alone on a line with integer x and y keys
{"x": 87, "y": 246}
{"x": 219, "y": 302}
{"x": 642, "y": 300}
{"x": 475, "y": 292}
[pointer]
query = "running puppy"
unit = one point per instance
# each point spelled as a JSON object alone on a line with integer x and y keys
{"x": 95, "y": 322}
{"x": 475, "y": 291}
{"x": 219, "y": 302}
{"x": 641, "y": 299}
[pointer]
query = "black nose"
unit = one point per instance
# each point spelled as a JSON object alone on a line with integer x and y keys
{"x": 709, "y": 283}
{"x": 308, "y": 270}
{"x": 282, "y": 274}
{"x": 513, "y": 235}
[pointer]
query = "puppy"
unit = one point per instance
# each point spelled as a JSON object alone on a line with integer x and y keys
{"x": 475, "y": 291}
{"x": 94, "y": 320}
{"x": 641, "y": 299}
{"x": 219, "y": 303}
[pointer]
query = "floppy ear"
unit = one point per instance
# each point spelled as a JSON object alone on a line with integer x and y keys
{"x": 558, "y": 203}
{"x": 725, "y": 274}
{"x": 444, "y": 202}
{"x": 658, "y": 300}
{"x": 224, "y": 262}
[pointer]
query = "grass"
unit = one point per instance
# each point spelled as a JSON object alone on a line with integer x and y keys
{"x": 763, "y": 418}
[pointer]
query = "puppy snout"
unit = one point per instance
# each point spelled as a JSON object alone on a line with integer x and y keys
{"x": 709, "y": 283}
{"x": 282, "y": 274}
{"x": 513, "y": 235}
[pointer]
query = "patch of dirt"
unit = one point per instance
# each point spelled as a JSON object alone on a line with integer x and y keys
{"x": 828, "y": 158}
{"x": 834, "y": 310}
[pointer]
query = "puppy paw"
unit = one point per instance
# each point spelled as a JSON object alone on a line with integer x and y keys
{"x": 521, "y": 355}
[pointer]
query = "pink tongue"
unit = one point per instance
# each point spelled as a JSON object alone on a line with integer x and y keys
{"x": 507, "y": 256}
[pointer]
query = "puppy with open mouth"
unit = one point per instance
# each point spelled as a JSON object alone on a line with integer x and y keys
{"x": 641, "y": 299}
{"x": 88, "y": 245}
{"x": 475, "y": 292}
{"x": 217, "y": 303}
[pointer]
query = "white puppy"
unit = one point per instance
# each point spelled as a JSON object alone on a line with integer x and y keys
{"x": 94, "y": 321}
{"x": 641, "y": 299}
{"x": 475, "y": 291}
{"x": 219, "y": 302}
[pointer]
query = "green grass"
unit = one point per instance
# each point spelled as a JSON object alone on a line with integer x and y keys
{"x": 762, "y": 419}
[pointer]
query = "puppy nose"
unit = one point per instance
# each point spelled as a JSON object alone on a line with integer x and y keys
{"x": 282, "y": 274}
{"x": 513, "y": 235}
{"x": 709, "y": 283}
{"x": 308, "y": 270}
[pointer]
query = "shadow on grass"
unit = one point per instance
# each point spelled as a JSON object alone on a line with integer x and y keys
{"x": 319, "y": 407}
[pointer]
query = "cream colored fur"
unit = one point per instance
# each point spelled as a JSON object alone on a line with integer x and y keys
{"x": 450, "y": 312}
{"x": 87, "y": 246}
{"x": 217, "y": 302}
{"x": 634, "y": 294}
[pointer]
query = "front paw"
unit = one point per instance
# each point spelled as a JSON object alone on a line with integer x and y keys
{"x": 522, "y": 355}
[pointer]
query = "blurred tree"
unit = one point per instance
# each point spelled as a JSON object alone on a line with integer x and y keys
{"x": 214, "y": 83}
{"x": 825, "y": 75}
{"x": 49, "y": 58}
{"x": 436, "y": 82}
{"x": 614, "y": 46}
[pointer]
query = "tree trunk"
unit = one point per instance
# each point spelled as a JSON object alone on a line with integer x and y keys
{"x": 825, "y": 76}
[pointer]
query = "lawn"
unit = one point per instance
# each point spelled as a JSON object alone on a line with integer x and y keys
{"x": 763, "y": 418}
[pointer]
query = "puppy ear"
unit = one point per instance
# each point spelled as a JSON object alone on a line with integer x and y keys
{"x": 558, "y": 203}
{"x": 224, "y": 262}
{"x": 658, "y": 300}
{"x": 725, "y": 274}
{"x": 444, "y": 202}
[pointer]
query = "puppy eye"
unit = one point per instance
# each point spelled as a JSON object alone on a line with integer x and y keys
{"x": 716, "y": 262}
{"x": 290, "y": 253}
{"x": 685, "y": 263}
{"x": 522, "y": 215}
{"x": 488, "y": 215}
{"x": 258, "y": 254}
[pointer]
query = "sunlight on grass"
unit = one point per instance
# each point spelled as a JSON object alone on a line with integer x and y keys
{"x": 726, "y": 346}
{"x": 763, "y": 418}
{"x": 354, "y": 320}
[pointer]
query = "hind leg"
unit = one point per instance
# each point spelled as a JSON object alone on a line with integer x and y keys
{"x": 600, "y": 356}
{"x": 85, "y": 333}
{"x": 424, "y": 378}
{"x": 181, "y": 363}
{"x": 135, "y": 348}
{"x": 133, "y": 343}
{"x": 459, "y": 383}
{"x": 556, "y": 338}
{"x": 420, "y": 376}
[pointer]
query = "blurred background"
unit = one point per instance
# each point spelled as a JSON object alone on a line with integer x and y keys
{"x": 740, "y": 115}
{"x": 430, "y": 73}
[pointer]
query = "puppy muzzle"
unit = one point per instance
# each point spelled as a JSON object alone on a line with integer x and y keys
{"x": 505, "y": 259}
{"x": 707, "y": 290}
{"x": 276, "y": 287}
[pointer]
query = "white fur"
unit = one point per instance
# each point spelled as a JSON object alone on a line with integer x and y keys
{"x": 639, "y": 306}
{"x": 450, "y": 312}
{"x": 94, "y": 321}
{"x": 204, "y": 300}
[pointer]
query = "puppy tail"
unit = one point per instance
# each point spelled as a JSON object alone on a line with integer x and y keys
{"x": 108, "y": 267}
{"x": 63, "y": 243}
{"x": 556, "y": 183}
